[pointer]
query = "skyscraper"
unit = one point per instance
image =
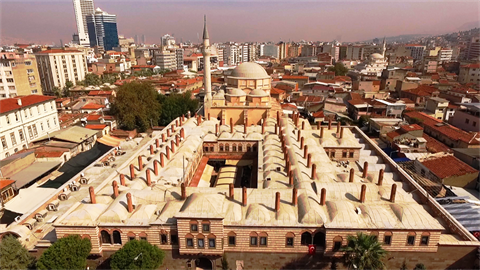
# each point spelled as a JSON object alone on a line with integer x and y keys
{"x": 102, "y": 29}
{"x": 82, "y": 9}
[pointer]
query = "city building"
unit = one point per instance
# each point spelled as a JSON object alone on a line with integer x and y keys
{"x": 102, "y": 29}
{"x": 469, "y": 73}
{"x": 416, "y": 51}
{"x": 83, "y": 8}
{"x": 467, "y": 117}
{"x": 25, "y": 119}
{"x": 57, "y": 66}
{"x": 166, "y": 59}
{"x": 473, "y": 49}
{"x": 18, "y": 75}
{"x": 270, "y": 50}
{"x": 436, "y": 107}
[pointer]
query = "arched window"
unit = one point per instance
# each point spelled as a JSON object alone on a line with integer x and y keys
{"x": 227, "y": 147}
{"x": 212, "y": 239}
{"x": 193, "y": 226}
{"x": 200, "y": 241}
{"x": 143, "y": 236}
{"x": 220, "y": 147}
{"x": 337, "y": 243}
{"x": 253, "y": 239}
{"x": 289, "y": 239}
{"x": 117, "y": 238}
{"x": 232, "y": 239}
{"x": 263, "y": 239}
{"x": 240, "y": 148}
{"x": 131, "y": 236}
{"x": 206, "y": 226}
{"x": 234, "y": 148}
{"x": 411, "y": 239}
{"x": 387, "y": 238}
{"x": 306, "y": 238}
{"x": 106, "y": 238}
{"x": 189, "y": 240}
{"x": 163, "y": 237}
{"x": 205, "y": 149}
{"x": 425, "y": 239}
{"x": 375, "y": 235}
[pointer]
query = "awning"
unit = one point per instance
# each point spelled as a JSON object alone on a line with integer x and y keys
{"x": 110, "y": 140}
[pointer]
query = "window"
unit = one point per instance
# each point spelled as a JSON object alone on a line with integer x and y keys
{"x": 163, "y": 239}
{"x": 253, "y": 239}
{"x": 387, "y": 238}
{"x": 227, "y": 148}
{"x": 306, "y": 238}
{"x": 48, "y": 124}
{"x": 474, "y": 124}
{"x": 41, "y": 126}
{"x": 200, "y": 241}
{"x": 206, "y": 227}
{"x": 211, "y": 241}
{"x": 332, "y": 154}
{"x": 173, "y": 238}
{"x": 411, "y": 239}
{"x": 221, "y": 147}
{"x": 205, "y": 149}
{"x": 231, "y": 240}
{"x": 54, "y": 121}
{"x": 30, "y": 132}
{"x": 29, "y": 71}
{"x": 8, "y": 120}
{"x": 289, "y": 239}
{"x": 344, "y": 154}
{"x": 350, "y": 155}
{"x": 20, "y": 133}
{"x": 263, "y": 241}
{"x": 467, "y": 121}
{"x": 189, "y": 241}
{"x": 193, "y": 226}
{"x": 143, "y": 238}
{"x": 131, "y": 236}
{"x": 106, "y": 238}
{"x": 422, "y": 172}
{"x": 35, "y": 133}
{"x": 12, "y": 137}
{"x": 28, "y": 63}
{"x": 117, "y": 239}
{"x": 424, "y": 239}
{"x": 30, "y": 110}
{"x": 17, "y": 118}
{"x": 337, "y": 243}
{"x": 10, "y": 80}
{"x": 4, "y": 142}
{"x": 234, "y": 148}
{"x": 240, "y": 148}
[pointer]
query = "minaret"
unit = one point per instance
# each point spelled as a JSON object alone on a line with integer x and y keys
{"x": 207, "y": 80}
{"x": 384, "y": 48}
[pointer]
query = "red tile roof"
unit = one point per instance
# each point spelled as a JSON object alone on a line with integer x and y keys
{"x": 288, "y": 106}
{"x": 407, "y": 101}
{"x": 92, "y": 106}
{"x": 413, "y": 127}
{"x": 422, "y": 90}
{"x": 448, "y": 166}
{"x": 319, "y": 114}
{"x": 291, "y": 77}
{"x": 5, "y": 183}
{"x": 276, "y": 91}
{"x": 11, "y": 104}
{"x": 394, "y": 134}
{"x": 434, "y": 146}
{"x": 95, "y": 127}
{"x": 342, "y": 79}
{"x": 100, "y": 93}
{"x": 449, "y": 131}
{"x": 93, "y": 117}
{"x": 476, "y": 65}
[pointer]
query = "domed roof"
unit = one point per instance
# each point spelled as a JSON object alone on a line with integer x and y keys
{"x": 219, "y": 95}
{"x": 236, "y": 92}
{"x": 258, "y": 93}
{"x": 376, "y": 56}
{"x": 250, "y": 70}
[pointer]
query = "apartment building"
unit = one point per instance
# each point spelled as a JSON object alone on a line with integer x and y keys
{"x": 416, "y": 50}
{"x": 166, "y": 59}
{"x": 467, "y": 118}
{"x": 469, "y": 73}
{"x": 24, "y": 119}
{"x": 18, "y": 75}
{"x": 57, "y": 66}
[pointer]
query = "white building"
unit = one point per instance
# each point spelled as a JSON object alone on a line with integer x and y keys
{"x": 166, "y": 60}
{"x": 445, "y": 55}
{"x": 168, "y": 42}
{"x": 83, "y": 8}
{"x": 58, "y": 66}
{"x": 24, "y": 119}
{"x": 270, "y": 50}
{"x": 231, "y": 55}
{"x": 416, "y": 50}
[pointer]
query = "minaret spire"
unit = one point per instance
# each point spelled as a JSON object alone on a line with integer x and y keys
{"x": 205, "y": 30}
{"x": 207, "y": 80}
{"x": 384, "y": 47}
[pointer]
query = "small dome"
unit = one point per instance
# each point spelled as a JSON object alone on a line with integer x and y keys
{"x": 376, "y": 56}
{"x": 236, "y": 92}
{"x": 250, "y": 70}
{"x": 220, "y": 95}
{"x": 258, "y": 93}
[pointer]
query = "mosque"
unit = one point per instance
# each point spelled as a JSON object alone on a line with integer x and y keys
{"x": 374, "y": 64}
{"x": 263, "y": 189}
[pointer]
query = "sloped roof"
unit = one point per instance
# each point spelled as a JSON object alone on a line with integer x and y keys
{"x": 11, "y": 104}
{"x": 448, "y": 166}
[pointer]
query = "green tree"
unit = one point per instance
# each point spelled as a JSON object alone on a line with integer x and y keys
{"x": 57, "y": 91}
{"x": 339, "y": 69}
{"x": 136, "y": 106}
{"x": 69, "y": 252}
{"x": 420, "y": 266}
{"x": 404, "y": 265}
{"x": 175, "y": 105}
{"x": 13, "y": 255}
{"x": 364, "y": 252}
{"x": 92, "y": 79}
{"x": 137, "y": 255}
{"x": 110, "y": 78}
{"x": 66, "y": 89}
{"x": 224, "y": 262}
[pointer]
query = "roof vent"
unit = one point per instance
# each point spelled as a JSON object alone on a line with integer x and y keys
{"x": 358, "y": 210}
{"x": 268, "y": 178}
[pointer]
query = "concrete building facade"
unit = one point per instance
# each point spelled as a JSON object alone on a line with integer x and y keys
{"x": 18, "y": 75}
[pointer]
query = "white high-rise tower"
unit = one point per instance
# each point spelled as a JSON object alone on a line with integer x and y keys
{"x": 207, "y": 80}
{"x": 82, "y": 9}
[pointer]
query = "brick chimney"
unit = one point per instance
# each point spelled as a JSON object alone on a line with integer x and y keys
{"x": 299, "y": 135}
{"x": 329, "y": 124}
{"x": 244, "y": 196}
{"x": 263, "y": 128}
{"x": 208, "y": 116}
{"x": 182, "y": 133}
{"x": 132, "y": 171}
{"x": 303, "y": 125}
{"x": 129, "y": 203}
{"x": 151, "y": 150}
{"x": 168, "y": 133}
{"x": 245, "y": 128}
{"x": 365, "y": 169}
{"x": 290, "y": 178}
{"x": 363, "y": 193}
{"x": 91, "y": 190}
{"x": 155, "y": 167}
{"x": 140, "y": 163}
{"x": 149, "y": 179}
{"x": 393, "y": 193}
{"x": 321, "y": 132}
{"x": 309, "y": 160}
{"x": 167, "y": 152}
{"x": 338, "y": 127}
{"x": 277, "y": 201}
{"x": 305, "y": 151}
{"x": 323, "y": 196}
{"x": 314, "y": 171}
{"x": 115, "y": 189}
{"x": 294, "y": 197}
{"x": 276, "y": 128}
{"x": 341, "y": 132}
{"x": 157, "y": 143}
{"x": 217, "y": 130}
{"x": 163, "y": 137}
{"x": 122, "y": 179}
{"x": 162, "y": 160}
{"x": 302, "y": 142}
{"x": 172, "y": 146}
{"x": 352, "y": 175}
{"x": 380, "y": 177}
{"x": 231, "y": 191}
{"x": 184, "y": 191}
{"x": 231, "y": 125}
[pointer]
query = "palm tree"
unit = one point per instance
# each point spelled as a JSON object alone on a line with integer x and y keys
{"x": 364, "y": 252}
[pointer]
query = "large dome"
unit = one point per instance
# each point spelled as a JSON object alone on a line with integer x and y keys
{"x": 376, "y": 56}
{"x": 249, "y": 70}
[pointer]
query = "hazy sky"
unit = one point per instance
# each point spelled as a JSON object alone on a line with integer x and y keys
{"x": 240, "y": 20}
